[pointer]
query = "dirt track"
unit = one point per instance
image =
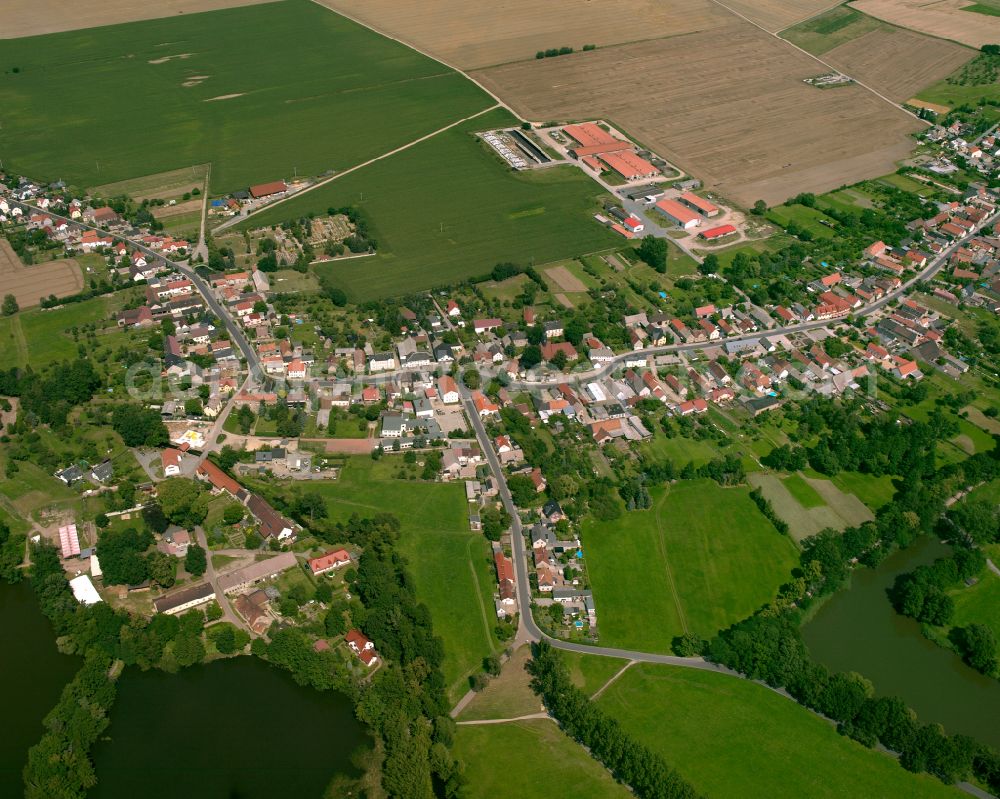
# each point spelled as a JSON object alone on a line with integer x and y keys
{"x": 30, "y": 283}
{"x": 35, "y": 17}
{"x": 737, "y": 116}
{"x": 943, "y": 18}
{"x": 776, "y": 15}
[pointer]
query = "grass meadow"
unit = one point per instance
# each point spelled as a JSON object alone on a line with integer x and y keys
{"x": 448, "y": 209}
{"x": 732, "y": 739}
{"x": 450, "y": 564}
{"x": 260, "y": 92}
{"x": 541, "y": 762}
{"x": 41, "y": 337}
{"x": 702, "y": 558}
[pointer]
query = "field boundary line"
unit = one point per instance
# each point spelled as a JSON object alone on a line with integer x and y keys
{"x": 240, "y": 219}
{"x": 820, "y": 13}
{"x": 819, "y": 60}
{"x": 422, "y": 52}
{"x": 666, "y": 564}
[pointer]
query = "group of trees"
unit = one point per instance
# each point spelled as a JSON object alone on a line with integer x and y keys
{"x": 47, "y": 397}
{"x": 139, "y": 426}
{"x": 11, "y": 554}
{"x": 645, "y": 772}
{"x": 768, "y": 646}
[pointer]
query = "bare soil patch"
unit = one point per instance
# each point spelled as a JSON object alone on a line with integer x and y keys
{"x": 35, "y": 17}
{"x": 942, "y": 18}
{"x": 736, "y": 115}
{"x": 565, "y": 279}
{"x": 475, "y": 35}
{"x": 937, "y": 108}
{"x": 167, "y": 211}
{"x": 166, "y": 58}
{"x": 776, "y": 15}
{"x": 564, "y": 301}
{"x": 30, "y": 283}
{"x": 899, "y": 63}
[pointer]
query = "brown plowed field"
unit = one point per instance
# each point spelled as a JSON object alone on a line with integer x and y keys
{"x": 727, "y": 105}
{"x": 776, "y": 15}
{"x": 29, "y": 283}
{"x": 472, "y": 35}
{"x": 899, "y": 63}
{"x": 35, "y": 17}
{"x": 943, "y": 18}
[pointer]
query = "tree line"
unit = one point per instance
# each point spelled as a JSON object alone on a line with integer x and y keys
{"x": 632, "y": 763}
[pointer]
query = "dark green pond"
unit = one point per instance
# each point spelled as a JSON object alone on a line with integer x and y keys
{"x": 857, "y": 630}
{"x": 33, "y": 674}
{"x": 233, "y": 729}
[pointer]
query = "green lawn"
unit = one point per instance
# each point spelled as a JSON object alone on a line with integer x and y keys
{"x": 906, "y": 183}
{"x": 530, "y": 760}
{"x": 979, "y": 603}
{"x": 804, "y": 493}
{"x": 315, "y": 92}
{"x": 449, "y": 209}
{"x": 734, "y": 739}
{"x": 591, "y": 672}
{"x": 873, "y": 491}
{"x": 805, "y": 218}
{"x": 702, "y": 558}
{"x": 41, "y": 337}
{"x": 450, "y": 564}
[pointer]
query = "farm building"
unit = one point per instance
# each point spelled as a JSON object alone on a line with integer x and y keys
{"x": 717, "y": 232}
{"x": 629, "y": 165}
{"x": 699, "y": 204}
{"x": 268, "y": 189}
{"x": 679, "y": 214}
{"x": 592, "y": 139}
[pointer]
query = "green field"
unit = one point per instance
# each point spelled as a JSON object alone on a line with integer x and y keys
{"x": 980, "y": 8}
{"x": 589, "y": 673}
{"x": 805, "y": 218}
{"x": 822, "y": 33}
{"x": 316, "y": 92}
{"x": 804, "y": 493}
{"x": 873, "y": 491}
{"x": 530, "y": 760}
{"x": 975, "y": 81}
{"x": 42, "y": 337}
{"x": 734, "y": 739}
{"x": 449, "y": 209}
{"x": 449, "y": 563}
{"x": 979, "y": 603}
{"x": 702, "y": 558}
{"x": 907, "y": 183}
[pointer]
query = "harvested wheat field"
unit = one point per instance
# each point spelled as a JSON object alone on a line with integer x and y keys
{"x": 29, "y": 284}
{"x": 474, "y": 35}
{"x": 943, "y": 18}
{"x": 739, "y": 117}
{"x": 898, "y": 63}
{"x": 776, "y": 15}
{"x": 34, "y": 17}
